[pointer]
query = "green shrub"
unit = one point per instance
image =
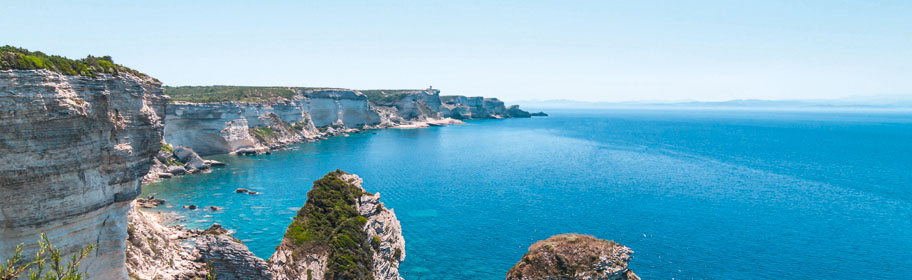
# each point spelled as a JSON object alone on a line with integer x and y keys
{"x": 397, "y": 254}
{"x": 375, "y": 243}
{"x": 167, "y": 148}
{"x": 265, "y": 132}
{"x": 47, "y": 264}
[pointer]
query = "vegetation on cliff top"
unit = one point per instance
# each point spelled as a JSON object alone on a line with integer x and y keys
{"x": 204, "y": 94}
{"x": 13, "y": 58}
{"x": 329, "y": 221}
{"x": 385, "y": 96}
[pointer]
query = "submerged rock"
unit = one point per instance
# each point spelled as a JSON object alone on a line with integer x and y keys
{"x": 241, "y": 190}
{"x": 574, "y": 256}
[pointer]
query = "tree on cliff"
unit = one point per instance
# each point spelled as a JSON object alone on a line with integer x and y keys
{"x": 47, "y": 264}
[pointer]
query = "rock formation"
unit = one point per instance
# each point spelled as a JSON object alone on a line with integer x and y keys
{"x": 574, "y": 256}
{"x": 176, "y": 161}
{"x": 72, "y": 151}
{"x": 361, "y": 240}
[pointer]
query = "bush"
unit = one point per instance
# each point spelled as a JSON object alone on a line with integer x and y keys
{"x": 375, "y": 243}
{"x": 48, "y": 257}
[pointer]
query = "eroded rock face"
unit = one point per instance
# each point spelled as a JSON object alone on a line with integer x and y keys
{"x": 256, "y": 127}
{"x": 574, "y": 256}
{"x": 72, "y": 151}
{"x": 383, "y": 233}
{"x": 160, "y": 252}
{"x": 174, "y": 253}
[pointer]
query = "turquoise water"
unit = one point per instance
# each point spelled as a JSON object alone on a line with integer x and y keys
{"x": 697, "y": 195}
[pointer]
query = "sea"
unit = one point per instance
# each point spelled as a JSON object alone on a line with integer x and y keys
{"x": 697, "y": 194}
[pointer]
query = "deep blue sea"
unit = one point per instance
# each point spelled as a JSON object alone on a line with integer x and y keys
{"x": 696, "y": 194}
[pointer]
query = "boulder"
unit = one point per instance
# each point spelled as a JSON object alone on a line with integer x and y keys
{"x": 214, "y": 163}
{"x": 241, "y": 190}
{"x": 165, "y": 175}
{"x": 189, "y": 158}
{"x": 177, "y": 170}
{"x": 163, "y": 156}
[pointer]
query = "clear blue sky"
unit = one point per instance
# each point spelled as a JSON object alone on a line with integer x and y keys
{"x": 516, "y": 50}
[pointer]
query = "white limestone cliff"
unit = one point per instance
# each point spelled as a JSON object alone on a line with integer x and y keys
{"x": 72, "y": 151}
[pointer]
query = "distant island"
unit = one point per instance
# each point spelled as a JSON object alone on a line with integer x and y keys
{"x": 892, "y": 102}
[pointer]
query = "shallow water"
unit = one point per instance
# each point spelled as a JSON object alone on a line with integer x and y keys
{"x": 697, "y": 195}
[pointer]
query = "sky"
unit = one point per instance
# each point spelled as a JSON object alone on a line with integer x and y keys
{"x": 515, "y": 50}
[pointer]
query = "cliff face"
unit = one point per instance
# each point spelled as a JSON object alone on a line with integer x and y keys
{"x": 250, "y": 127}
{"x": 574, "y": 256}
{"x": 72, "y": 150}
{"x": 368, "y": 234}
{"x": 226, "y": 127}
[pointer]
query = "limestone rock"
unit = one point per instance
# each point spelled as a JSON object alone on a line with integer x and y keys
{"x": 229, "y": 257}
{"x": 158, "y": 252}
{"x": 72, "y": 152}
{"x": 177, "y": 170}
{"x": 574, "y": 256}
{"x": 189, "y": 158}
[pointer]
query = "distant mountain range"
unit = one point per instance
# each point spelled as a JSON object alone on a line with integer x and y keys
{"x": 892, "y": 102}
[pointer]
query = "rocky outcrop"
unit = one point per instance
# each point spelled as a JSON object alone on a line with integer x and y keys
{"x": 72, "y": 151}
{"x": 176, "y": 161}
{"x": 574, "y": 256}
{"x": 227, "y": 257}
{"x": 155, "y": 251}
{"x": 174, "y": 253}
{"x": 367, "y": 233}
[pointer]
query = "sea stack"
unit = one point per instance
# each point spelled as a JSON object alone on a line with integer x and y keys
{"x": 342, "y": 232}
{"x": 574, "y": 256}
